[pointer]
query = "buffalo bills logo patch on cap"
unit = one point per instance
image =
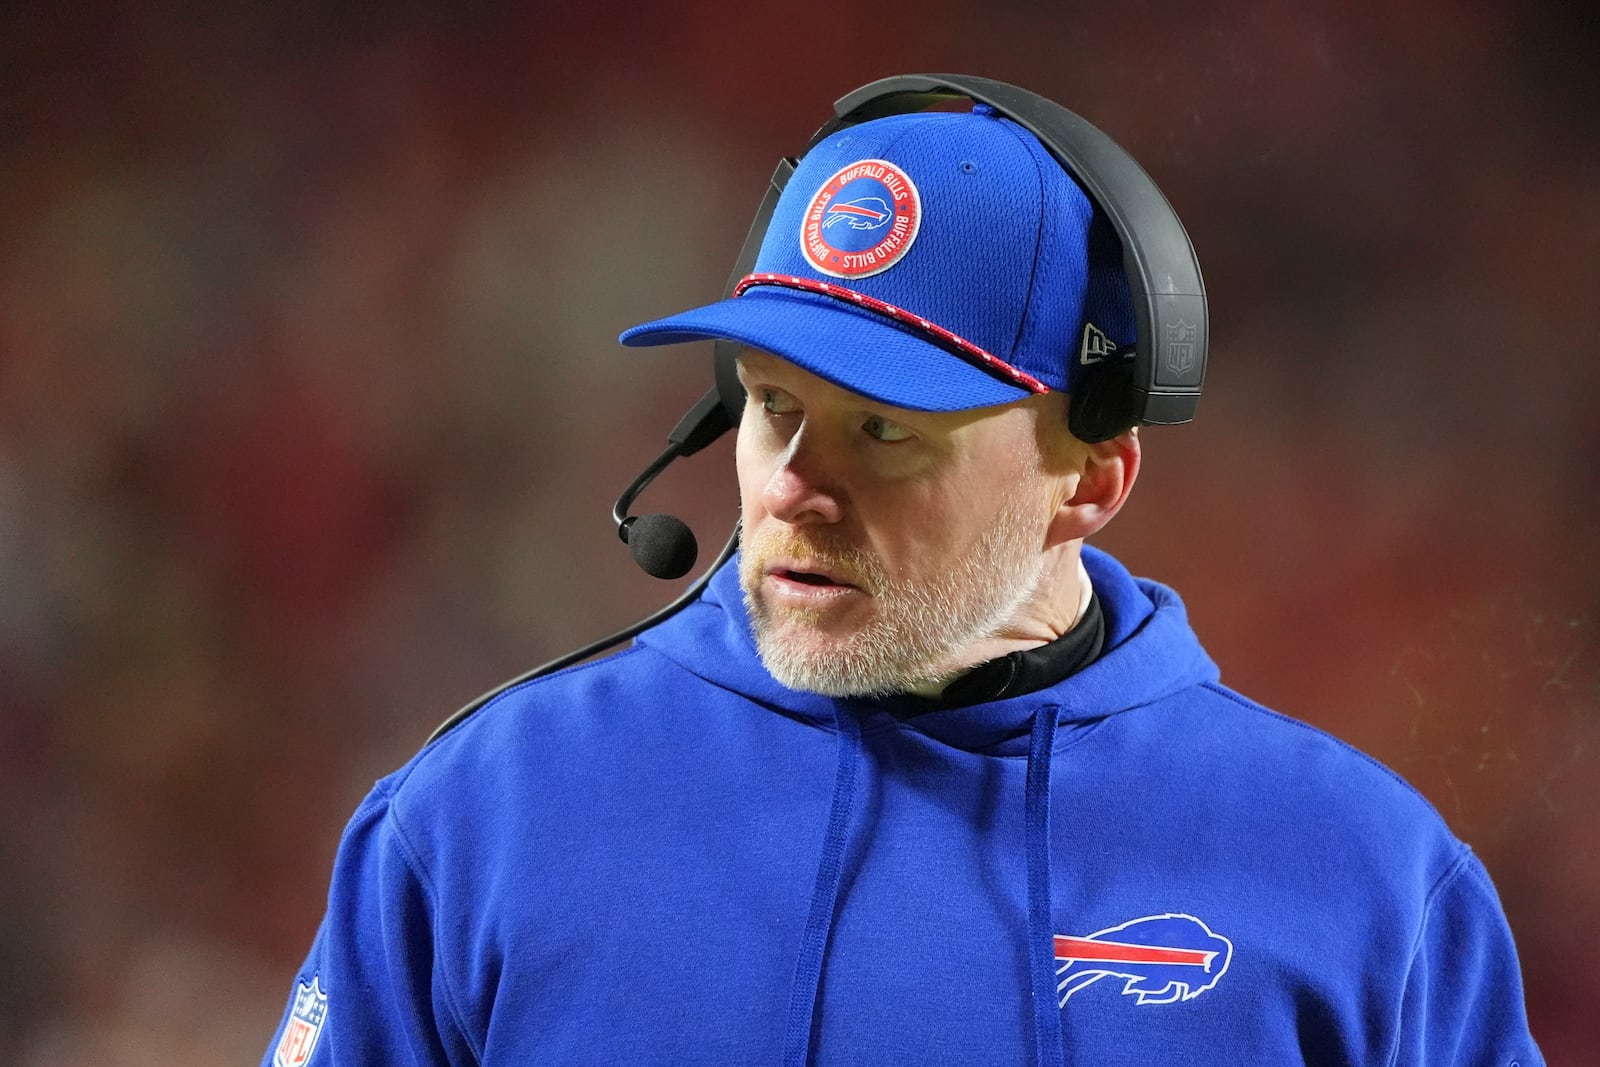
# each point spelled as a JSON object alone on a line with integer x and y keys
{"x": 862, "y": 220}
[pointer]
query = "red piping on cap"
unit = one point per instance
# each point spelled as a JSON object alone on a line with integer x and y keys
{"x": 959, "y": 345}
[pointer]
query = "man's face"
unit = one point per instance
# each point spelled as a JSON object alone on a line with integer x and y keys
{"x": 884, "y": 547}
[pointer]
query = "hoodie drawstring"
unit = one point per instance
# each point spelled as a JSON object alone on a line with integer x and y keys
{"x": 1041, "y": 935}
{"x": 824, "y": 897}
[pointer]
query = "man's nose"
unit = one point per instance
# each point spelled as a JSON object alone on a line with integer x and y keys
{"x": 803, "y": 489}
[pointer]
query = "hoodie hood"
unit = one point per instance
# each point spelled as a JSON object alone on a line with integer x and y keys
{"x": 712, "y": 639}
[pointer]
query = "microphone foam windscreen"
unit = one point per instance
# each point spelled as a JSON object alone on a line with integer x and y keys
{"x": 663, "y": 545}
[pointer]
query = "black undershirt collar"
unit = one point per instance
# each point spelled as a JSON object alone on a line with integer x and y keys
{"x": 1029, "y": 670}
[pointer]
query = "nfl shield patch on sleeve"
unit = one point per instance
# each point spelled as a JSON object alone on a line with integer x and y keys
{"x": 300, "y": 1034}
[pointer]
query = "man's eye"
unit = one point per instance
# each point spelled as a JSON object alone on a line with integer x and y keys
{"x": 881, "y": 429}
{"x": 776, "y": 402}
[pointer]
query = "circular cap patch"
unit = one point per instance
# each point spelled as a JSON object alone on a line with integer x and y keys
{"x": 862, "y": 220}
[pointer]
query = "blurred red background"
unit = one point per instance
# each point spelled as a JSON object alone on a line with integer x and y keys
{"x": 311, "y": 415}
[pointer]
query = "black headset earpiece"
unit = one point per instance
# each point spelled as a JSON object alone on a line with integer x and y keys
{"x": 1160, "y": 384}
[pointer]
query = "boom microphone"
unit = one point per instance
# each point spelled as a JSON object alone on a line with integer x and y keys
{"x": 663, "y": 544}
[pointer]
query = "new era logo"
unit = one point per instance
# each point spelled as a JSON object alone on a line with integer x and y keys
{"x": 1096, "y": 345}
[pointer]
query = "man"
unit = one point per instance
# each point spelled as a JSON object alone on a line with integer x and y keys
{"x": 921, "y": 779}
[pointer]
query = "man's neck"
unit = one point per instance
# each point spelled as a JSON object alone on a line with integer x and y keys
{"x": 1036, "y": 626}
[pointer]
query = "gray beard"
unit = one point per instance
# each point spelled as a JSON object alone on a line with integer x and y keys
{"x": 921, "y": 631}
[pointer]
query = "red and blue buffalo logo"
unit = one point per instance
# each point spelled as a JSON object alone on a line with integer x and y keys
{"x": 862, "y": 220}
{"x": 862, "y": 213}
{"x": 1159, "y": 958}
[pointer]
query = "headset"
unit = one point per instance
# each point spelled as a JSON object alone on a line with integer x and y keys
{"x": 1160, "y": 384}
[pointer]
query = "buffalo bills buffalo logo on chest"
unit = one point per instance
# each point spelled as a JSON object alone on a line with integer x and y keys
{"x": 1160, "y": 958}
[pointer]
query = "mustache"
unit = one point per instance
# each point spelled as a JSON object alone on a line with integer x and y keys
{"x": 838, "y": 556}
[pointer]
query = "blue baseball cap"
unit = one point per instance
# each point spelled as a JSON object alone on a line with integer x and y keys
{"x": 934, "y": 261}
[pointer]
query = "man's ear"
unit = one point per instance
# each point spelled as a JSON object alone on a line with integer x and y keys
{"x": 1097, "y": 489}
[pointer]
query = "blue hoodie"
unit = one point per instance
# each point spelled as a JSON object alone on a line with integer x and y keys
{"x": 667, "y": 857}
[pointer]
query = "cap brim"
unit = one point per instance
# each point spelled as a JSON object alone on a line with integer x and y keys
{"x": 848, "y": 346}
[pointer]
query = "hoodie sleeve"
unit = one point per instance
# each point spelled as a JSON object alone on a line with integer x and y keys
{"x": 371, "y": 991}
{"x": 1463, "y": 998}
